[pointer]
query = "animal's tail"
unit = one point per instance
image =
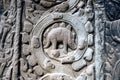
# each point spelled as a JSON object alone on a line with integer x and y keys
{"x": 47, "y": 44}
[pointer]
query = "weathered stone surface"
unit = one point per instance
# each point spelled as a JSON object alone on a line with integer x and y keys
{"x": 26, "y": 49}
{"x": 35, "y": 42}
{"x": 89, "y": 27}
{"x": 112, "y": 40}
{"x": 27, "y": 26}
{"x": 79, "y": 65}
{"x": 25, "y": 37}
{"x": 38, "y": 70}
{"x": 59, "y": 40}
{"x": 88, "y": 54}
{"x": 31, "y": 60}
{"x": 90, "y": 39}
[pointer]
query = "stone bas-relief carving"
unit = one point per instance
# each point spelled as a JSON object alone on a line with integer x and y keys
{"x": 109, "y": 29}
{"x": 56, "y": 39}
{"x": 112, "y": 9}
{"x": 47, "y": 40}
{"x": 113, "y": 52}
{"x": 59, "y": 36}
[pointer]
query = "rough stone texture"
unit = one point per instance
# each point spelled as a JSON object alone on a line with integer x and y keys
{"x": 1, "y": 7}
{"x": 59, "y": 39}
{"x": 111, "y": 41}
{"x": 47, "y": 40}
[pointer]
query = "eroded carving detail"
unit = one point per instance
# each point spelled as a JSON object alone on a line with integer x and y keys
{"x": 112, "y": 49}
{"x": 63, "y": 43}
{"x": 47, "y": 40}
{"x": 62, "y": 36}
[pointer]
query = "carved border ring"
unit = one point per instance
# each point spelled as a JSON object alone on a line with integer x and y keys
{"x": 49, "y": 19}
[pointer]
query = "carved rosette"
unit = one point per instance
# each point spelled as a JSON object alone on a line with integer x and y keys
{"x": 60, "y": 43}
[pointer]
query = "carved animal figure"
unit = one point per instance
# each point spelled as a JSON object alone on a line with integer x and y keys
{"x": 60, "y": 34}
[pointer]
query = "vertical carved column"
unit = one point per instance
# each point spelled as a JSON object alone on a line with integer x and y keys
{"x": 99, "y": 39}
{"x": 17, "y": 41}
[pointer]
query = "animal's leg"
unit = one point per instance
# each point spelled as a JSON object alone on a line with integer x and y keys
{"x": 48, "y": 43}
{"x": 65, "y": 46}
{"x": 54, "y": 43}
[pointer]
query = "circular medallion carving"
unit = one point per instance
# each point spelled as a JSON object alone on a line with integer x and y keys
{"x": 62, "y": 39}
{"x": 59, "y": 40}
